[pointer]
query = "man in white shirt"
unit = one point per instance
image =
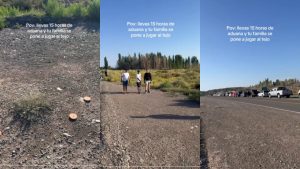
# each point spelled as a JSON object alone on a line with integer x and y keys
{"x": 139, "y": 81}
{"x": 125, "y": 78}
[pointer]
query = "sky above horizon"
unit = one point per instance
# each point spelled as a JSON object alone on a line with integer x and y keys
{"x": 114, "y": 36}
{"x": 234, "y": 64}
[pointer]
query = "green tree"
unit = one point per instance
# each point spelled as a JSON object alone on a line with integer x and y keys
{"x": 194, "y": 61}
{"x": 105, "y": 63}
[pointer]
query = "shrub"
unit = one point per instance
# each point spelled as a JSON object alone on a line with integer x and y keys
{"x": 175, "y": 74}
{"x": 2, "y": 23}
{"x": 30, "y": 110}
{"x": 197, "y": 86}
{"x": 93, "y": 10}
{"x": 180, "y": 84}
{"x": 54, "y": 8}
{"x": 75, "y": 10}
{"x": 27, "y": 4}
{"x": 194, "y": 96}
{"x": 165, "y": 85}
{"x": 9, "y": 11}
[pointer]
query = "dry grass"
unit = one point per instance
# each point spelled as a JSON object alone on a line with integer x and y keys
{"x": 186, "y": 81}
{"x": 32, "y": 109}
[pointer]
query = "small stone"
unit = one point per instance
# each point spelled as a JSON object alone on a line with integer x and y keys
{"x": 127, "y": 157}
{"x": 192, "y": 128}
{"x": 118, "y": 152}
{"x": 6, "y": 128}
{"x": 81, "y": 99}
{"x": 59, "y": 89}
{"x": 13, "y": 153}
{"x": 67, "y": 134}
{"x": 95, "y": 121}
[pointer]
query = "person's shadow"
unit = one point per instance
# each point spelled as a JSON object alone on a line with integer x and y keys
{"x": 122, "y": 93}
{"x": 168, "y": 117}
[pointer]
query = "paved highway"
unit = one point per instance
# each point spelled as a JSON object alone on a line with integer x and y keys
{"x": 250, "y": 132}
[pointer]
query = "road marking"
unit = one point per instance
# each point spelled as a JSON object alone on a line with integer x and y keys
{"x": 270, "y": 107}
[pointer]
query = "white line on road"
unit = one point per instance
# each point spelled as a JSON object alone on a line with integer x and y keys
{"x": 270, "y": 107}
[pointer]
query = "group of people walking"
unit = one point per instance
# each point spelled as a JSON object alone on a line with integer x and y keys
{"x": 125, "y": 79}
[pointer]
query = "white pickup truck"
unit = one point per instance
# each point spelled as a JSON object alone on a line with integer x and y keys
{"x": 280, "y": 92}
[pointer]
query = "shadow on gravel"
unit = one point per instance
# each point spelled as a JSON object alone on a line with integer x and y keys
{"x": 168, "y": 117}
{"x": 121, "y": 93}
{"x": 186, "y": 103}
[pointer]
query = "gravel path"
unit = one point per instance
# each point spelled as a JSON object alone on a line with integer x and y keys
{"x": 39, "y": 67}
{"x": 154, "y": 129}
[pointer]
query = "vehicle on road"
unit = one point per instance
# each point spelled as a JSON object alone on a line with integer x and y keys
{"x": 253, "y": 93}
{"x": 233, "y": 94}
{"x": 280, "y": 92}
{"x": 299, "y": 93}
{"x": 219, "y": 94}
{"x": 264, "y": 92}
{"x": 244, "y": 94}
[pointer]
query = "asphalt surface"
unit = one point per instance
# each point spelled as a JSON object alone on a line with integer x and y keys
{"x": 250, "y": 132}
{"x": 155, "y": 130}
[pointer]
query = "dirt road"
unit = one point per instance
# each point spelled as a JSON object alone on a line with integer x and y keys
{"x": 251, "y": 132}
{"x": 153, "y": 129}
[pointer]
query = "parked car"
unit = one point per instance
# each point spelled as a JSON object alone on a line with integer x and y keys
{"x": 253, "y": 93}
{"x": 219, "y": 94}
{"x": 244, "y": 94}
{"x": 264, "y": 93}
{"x": 233, "y": 94}
{"x": 280, "y": 92}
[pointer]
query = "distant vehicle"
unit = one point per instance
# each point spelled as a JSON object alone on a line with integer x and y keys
{"x": 233, "y": 94}
{"x": 264, "y": 93}
{"x": 299, "y": 93}
{"x": 280, "y": 92}
{"x": 253, "y": 93}
{"x": 244, "y": 94}
{"x": 218, "y": 94}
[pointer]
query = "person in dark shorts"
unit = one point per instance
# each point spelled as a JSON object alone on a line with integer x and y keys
{"x": 147, "y": 81}
{"x": 125, "y": 77}
{"x": 138, "y": 81}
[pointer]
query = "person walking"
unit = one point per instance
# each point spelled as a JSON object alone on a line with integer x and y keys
{"x": 147, "y": 81}
{"x": 125, "y": 79}
{"x": 138, "y": 81}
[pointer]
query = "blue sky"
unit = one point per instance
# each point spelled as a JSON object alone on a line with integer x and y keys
{"x": 225, "y": 64}
{"x": 114, "y": 37}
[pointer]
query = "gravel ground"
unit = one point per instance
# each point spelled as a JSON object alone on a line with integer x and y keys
{"x": 39, "y": 67}
{"x": 155, "y": 129}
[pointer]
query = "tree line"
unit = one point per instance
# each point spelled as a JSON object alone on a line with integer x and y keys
{"x": 154, "y": 61}
{"x": 293, "y": 84}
